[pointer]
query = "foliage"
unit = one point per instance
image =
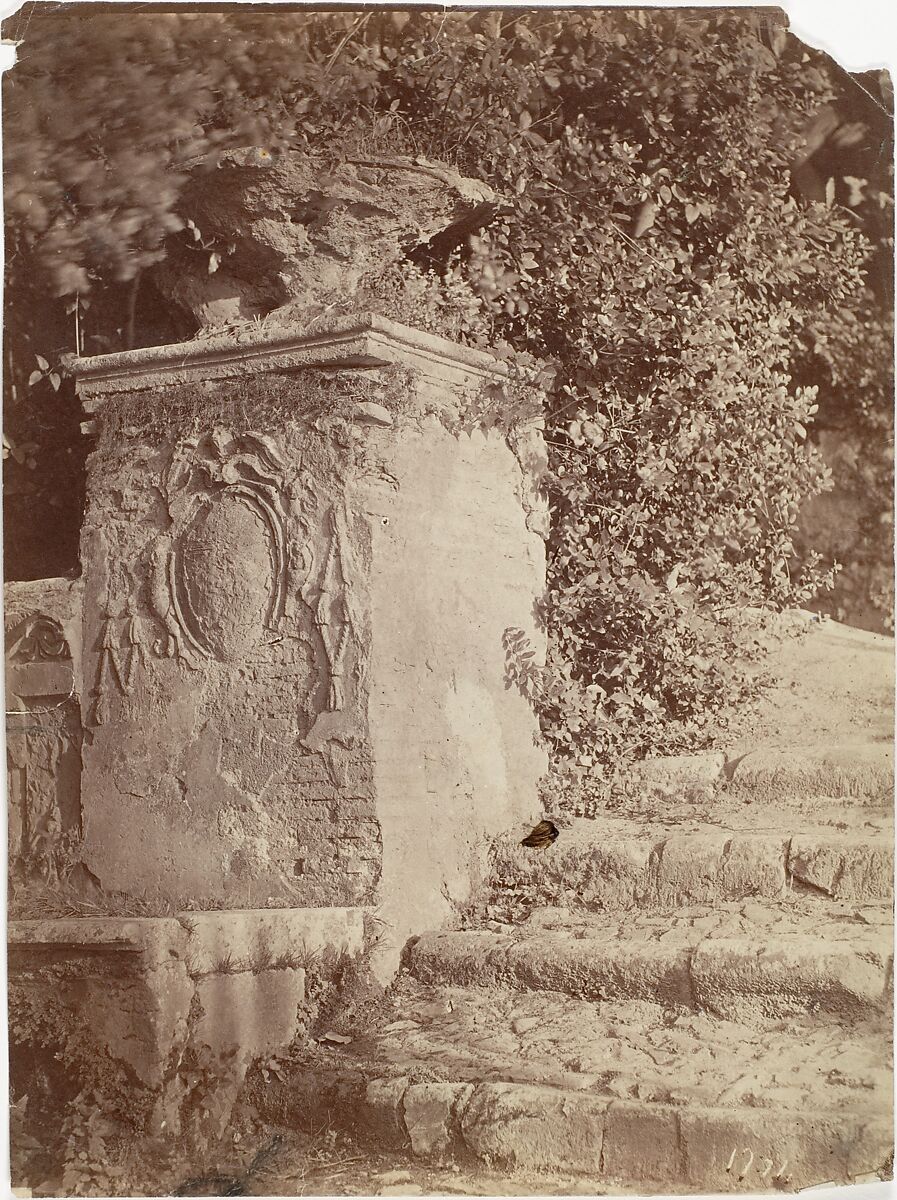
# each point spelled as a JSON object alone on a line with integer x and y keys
{"x": 848, "y": 351}
{"x": 73, "y": 1107}
{"x": 648, "y": 247}
{"x": 209, "y": 1082}
{"x": 55, "y": 1051}
{"x": 87, "y": 1170}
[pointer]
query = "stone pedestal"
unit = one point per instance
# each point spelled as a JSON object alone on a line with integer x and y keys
{"x": 299, "y": 563}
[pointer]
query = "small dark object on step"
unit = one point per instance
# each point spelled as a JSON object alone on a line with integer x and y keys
{"x": 543, "y": 835}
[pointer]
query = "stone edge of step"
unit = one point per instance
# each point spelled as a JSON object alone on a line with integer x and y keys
{"x": 656, "y": 867}
{"x": 544, "y": 1129}
{"x": 847, "y": 770}
{"x": 726, "y": 976}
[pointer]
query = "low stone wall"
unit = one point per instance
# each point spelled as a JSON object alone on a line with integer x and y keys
{"x": 160, "y": 1015}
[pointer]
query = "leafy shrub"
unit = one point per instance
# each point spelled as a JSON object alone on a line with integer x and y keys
{"x": 648, "y": 247}
{"x": 87, "y": 1169}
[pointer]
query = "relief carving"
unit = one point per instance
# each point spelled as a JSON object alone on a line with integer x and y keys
{"x": 40, "y": 673}
{"x": 218, "y": 578}
{"x": 250, "y": 562}
{"x": 122, "y": 651}
{"x": 44, "y": 811}
{"x": 35, "y": 638}
{"x": 332, "y": 606}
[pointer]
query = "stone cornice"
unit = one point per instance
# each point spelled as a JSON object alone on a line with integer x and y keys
{"x": 359, "y": 340}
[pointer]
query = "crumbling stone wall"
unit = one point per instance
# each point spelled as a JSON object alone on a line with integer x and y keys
{"x": 43, "y": 726}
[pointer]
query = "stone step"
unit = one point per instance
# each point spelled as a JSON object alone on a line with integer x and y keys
{"x": 622, "y": 1093}
{"x": 859, "y": 771}
{"x": 625, "y": 862}
{"x": 843, "y": 767}
{"x": 755, "y": 960}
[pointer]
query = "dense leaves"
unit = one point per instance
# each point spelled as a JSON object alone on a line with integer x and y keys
{"x": 649, "y": 247}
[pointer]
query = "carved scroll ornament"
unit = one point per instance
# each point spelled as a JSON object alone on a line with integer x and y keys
{"x": 218, "y": 579}
{"x": 35, "y": 638}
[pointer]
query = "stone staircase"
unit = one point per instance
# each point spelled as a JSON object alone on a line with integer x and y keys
{"x": 695, "y": 1003}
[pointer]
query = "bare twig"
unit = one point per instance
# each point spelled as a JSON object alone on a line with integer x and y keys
{"x": 356, "y": 28}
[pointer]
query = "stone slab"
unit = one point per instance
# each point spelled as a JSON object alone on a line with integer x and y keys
{"x": 787, "y": 977}
{"x": 696, "y": 869}
{"x": 746, "y": 963}
{"x": 123, "y": 988}
{"x": 642, "y": 1142}
{"x": 756, "y": 1150}
{"x": 856, "y": 771}
{"x": 124, "y": 982}
{"x": 156, "y": 940}
{"x": 681, "y": 769}
{"x": 379, "y": 1111}
{"x": 250, "y": 1013}
{"x": 430, "y": 1117}
{"x": 260, "y": 938}
{"x": 599, "y": 970}
{"x": 634, "y": 1143}
{"x": 620, "y": 864}
{"x": 846, "y": 868}
{"x": 588, "y": 968}
{"x": 532, "y": 1128}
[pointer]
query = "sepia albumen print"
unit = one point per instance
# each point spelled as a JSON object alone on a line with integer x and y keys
{"x": 448, "y": 557}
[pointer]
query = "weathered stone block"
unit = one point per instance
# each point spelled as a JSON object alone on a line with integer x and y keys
{"x": 535, "y": 1128}
{"x": 859, "y": 770}
{"x": 580, "y": 966}
{"x": 703, "y": 867}
{"x": 848, "y": 869}
{"x": 745, "y": 1151}
{"x": 678, "y": 770}
{"x": 380, "y": 1112}
{"x": 599, "y": 871}
{"x": 596, "y": 970}
{"x": 686, "y": 868}
{"x": 430, "y": 1111}
{"x": 294, "y": 689}
{"x": 253, "y": 1013}
{"x": 641, "y": 1142}
{"x": 735, "y": 979}
{"x": 117, "y": 1003}
{"x": 262, "y": 938}
{"x": 753, "y": 865}
{"x": 123, "y": 982}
